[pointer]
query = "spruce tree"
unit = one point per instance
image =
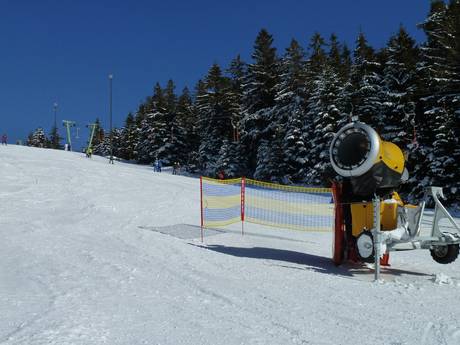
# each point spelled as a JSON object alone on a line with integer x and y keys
{"x": 169, "y": 135}
{"x": 314, "y": 66}
{"x": 323, "y": 112}
{"x": 262, "y": 76}
{"x": 188, "y": 121}
{"x": 215, "y": 119}
{"x": 270, "y": 160}
{"x": 228, "y": 160}
{"x": 437, "y": 135}
{"x": 368, "y": 95}
{"x": 55, "y": 139}
{"x": 288, "y": 113}
{"x": 38, "y": 138}
{"x": 399, "y": 86}
{"x": 153, "y": 128}
{"x": 237, "y": 72}
{"x": 259, "y": 96}
{"x": 128, "y": 138}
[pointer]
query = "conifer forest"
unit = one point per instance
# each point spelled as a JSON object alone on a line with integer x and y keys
{"x": 272, "y": 118}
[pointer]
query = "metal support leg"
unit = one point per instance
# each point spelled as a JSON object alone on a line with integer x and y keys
{"x": 377, "y": 237}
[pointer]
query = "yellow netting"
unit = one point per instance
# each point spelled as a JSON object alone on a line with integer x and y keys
{"x": 292, "y": 207}
{"x": 301, "y": 208}
{"x": 221, "y": 201}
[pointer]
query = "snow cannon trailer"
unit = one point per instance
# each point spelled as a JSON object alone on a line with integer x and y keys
{"x": 371, "y": 220}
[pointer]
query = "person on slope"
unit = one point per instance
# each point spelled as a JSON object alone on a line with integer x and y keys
{"x": 4, "y": 139}
{"x": 158, "y": 165}
{"x": 176, "y": 168}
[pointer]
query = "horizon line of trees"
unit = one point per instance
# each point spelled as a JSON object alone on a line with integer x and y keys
{"x": 273, "y": 118}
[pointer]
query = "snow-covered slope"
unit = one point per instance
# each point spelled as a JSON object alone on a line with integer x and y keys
{"x": 98, "y": 254}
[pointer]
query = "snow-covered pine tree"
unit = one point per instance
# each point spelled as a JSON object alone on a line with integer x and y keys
{"x": 271, "y": 166}
{"x": 344, "y": 67}
{"x": 453, "y": 96}
{"x": 215, "y": 119}
{"x": 399, "y": 86}
{"x": 187, "y": 121}
{"x": 314, "y": 66}
{"x": 237, "y": 72}
{"x": 128, "y": 138}
{"x": 289, "y": 111}
{"x": 38, "y": 138}
{"x": 228, "y": 161}
{"x": 153, "y": 128}
{"x": 103, "y": 147}
{"x": 259, "y": 96}
{"x": 368, "y": 96}
{"x": 262, "y": 76}
{"x": 55, "y": 139}
{"x": 139, "y": 117}
{"x": 440, "y": 73}
{"x": 323, "y": 112}
{"x": 294, "y": 150}
{"x": 437, "y": 137}
{"x": 169, "y": 134}
{"x": 334, "y": 56}
{"x": 344, "y": 101}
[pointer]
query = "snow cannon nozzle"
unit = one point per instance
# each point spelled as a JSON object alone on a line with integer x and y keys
{"x": 373, "y": 166}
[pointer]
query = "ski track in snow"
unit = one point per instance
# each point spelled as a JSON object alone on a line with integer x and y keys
{"x": 78, "y": 268}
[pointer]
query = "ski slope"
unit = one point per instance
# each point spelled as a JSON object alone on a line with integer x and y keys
{"x": 98, "y": 254}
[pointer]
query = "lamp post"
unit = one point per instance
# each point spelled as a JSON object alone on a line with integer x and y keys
{"x": 55, "y": 105}
{"x": 110, "y": 113}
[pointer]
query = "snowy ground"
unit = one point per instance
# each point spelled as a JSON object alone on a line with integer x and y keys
{"x": 99, "y": 254}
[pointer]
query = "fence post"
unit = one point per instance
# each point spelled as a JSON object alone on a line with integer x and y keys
{"x": 243, "y": 189}
{"x": 201, "y": 205}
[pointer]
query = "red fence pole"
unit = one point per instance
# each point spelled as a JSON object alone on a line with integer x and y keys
{"x": 338, "y": 241}
{"x": 201, "y": 205}
{"x": 243, "y": 189}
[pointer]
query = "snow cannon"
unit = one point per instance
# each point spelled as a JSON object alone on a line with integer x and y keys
{"x": 372, "y": 165}
{"x": 371, "y": 220}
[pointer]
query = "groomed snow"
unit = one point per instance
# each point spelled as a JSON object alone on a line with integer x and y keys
{"x": 98, "y": 254}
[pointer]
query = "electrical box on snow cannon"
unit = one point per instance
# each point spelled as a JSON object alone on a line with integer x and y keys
{"x": 372, "y": 171}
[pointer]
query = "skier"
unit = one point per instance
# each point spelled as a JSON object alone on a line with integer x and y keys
{"x": 175, "y": 168}
{"x": 158, "y": 165}
{"x": 4, "y": 139}
{"x": 221, "y": 175}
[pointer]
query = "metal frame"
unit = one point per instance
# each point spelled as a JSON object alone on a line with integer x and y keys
{"x": 437, "y": 237}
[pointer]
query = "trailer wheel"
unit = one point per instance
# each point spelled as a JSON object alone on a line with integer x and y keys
{"x": 445, "y": 254}
{"x": 365, "y": 247}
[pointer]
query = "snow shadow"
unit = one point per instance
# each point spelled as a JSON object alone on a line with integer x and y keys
{"x": 317, "y": 263}
{"x": 183, "y": 231}
{"x": 320, "y": 264}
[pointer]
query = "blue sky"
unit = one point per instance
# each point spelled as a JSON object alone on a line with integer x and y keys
{"x": 64, "y": 50}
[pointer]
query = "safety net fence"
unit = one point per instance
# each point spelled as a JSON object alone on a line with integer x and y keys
{"x": 224, "y": 202}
